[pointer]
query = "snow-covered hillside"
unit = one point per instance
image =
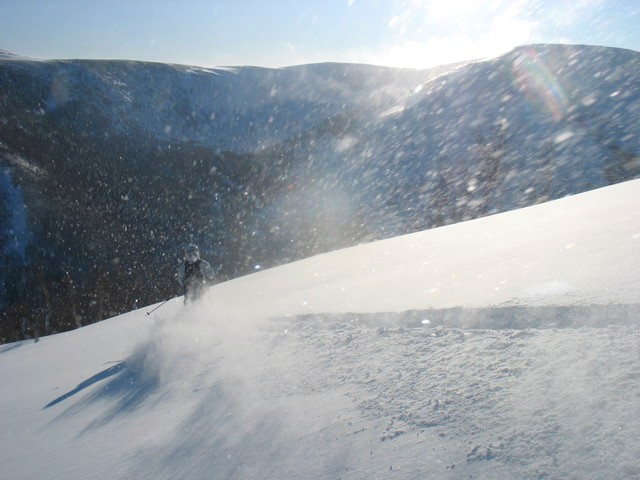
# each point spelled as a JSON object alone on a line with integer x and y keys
{"x": 505, "y": 347}
{"x": 269, "y": 166}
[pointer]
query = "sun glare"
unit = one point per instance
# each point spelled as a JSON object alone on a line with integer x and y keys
{"x": 427, "y": 34}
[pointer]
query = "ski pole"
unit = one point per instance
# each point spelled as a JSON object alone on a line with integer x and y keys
{"x": 149, "y": 313}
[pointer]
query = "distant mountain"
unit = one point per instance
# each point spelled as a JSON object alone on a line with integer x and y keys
{"x": 107, "y": 167}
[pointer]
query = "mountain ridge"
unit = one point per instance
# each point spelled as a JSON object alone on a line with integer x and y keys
{"x": 120, "y": 162}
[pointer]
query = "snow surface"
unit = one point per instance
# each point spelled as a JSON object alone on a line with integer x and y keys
{"x": 505, "y": 347}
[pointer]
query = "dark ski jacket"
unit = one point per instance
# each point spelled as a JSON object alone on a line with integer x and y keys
{"x": 195, "y": 275}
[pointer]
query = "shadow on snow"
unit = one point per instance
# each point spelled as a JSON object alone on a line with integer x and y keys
{"x": 129, "y": 383}
{"x": 109, "y": 372}
{"x": 492, "y": 318}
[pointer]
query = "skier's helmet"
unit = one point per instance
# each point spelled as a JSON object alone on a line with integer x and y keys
{"x": 191, "y": 253}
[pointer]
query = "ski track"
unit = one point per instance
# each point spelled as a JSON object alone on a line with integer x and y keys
{"x": 432, "y": 394}
{"x": 536, "y": 403}
{"x": 371, "y": 398}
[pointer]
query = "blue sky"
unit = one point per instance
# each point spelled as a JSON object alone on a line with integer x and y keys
{"x": 275, "y": 33}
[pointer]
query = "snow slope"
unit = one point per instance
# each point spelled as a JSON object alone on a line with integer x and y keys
{"x": 506, "y": 347}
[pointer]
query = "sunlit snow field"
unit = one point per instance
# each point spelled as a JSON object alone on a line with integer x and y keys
{"x": 505, "y": 347}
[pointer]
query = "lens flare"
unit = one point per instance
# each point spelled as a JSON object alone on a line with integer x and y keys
{"x": 542, "y": 89}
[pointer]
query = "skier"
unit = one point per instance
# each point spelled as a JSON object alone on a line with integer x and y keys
{"x": 193, "y": 274}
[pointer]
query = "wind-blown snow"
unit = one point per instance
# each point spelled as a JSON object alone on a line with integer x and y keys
{"x": 506, "y": 347}
{"x": 563, "y": 252}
